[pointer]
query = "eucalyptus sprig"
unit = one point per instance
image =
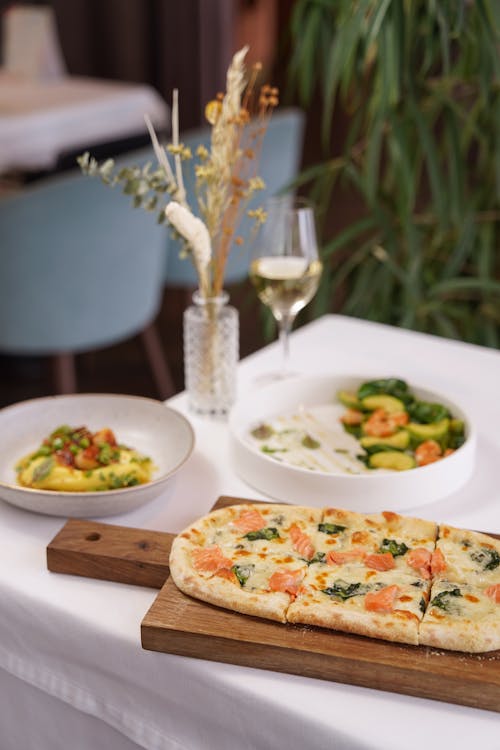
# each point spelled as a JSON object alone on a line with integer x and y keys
{"x": 145, "y": 185}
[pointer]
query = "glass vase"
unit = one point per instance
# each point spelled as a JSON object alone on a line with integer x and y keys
{"x": 211, "y": 349}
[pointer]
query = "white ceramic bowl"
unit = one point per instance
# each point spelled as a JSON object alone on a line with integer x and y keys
{"x": 371, "y": 491}
{"x": 146, "y": 425}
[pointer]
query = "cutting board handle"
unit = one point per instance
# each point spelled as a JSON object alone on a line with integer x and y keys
{"x": 111, "y": 553}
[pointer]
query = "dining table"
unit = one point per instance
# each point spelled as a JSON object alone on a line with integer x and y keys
{"x": 72, "y": 669}
{"x": 42, "y": 120}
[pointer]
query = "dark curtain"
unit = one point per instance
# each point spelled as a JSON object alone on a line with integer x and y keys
{"x": 184, "y": 44}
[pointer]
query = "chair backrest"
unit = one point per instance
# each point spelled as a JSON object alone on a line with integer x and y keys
{"x": 79, "y": 268}
{"x": 30, "y": 42}
{"x": 278, "y": 165}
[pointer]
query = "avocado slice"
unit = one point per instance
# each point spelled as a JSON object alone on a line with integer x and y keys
{"x": 434, "y": 431}
{"x": 390, "y": 404}
{"x": 457, "y": 426}
{"x": 349, "y": 399}
{"x": 400, "y": 441}
{"x": 395, "y": 460}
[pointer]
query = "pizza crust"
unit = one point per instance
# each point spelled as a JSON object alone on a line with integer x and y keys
{"x": 396, "y": 626}
{"x": 271, "y": 605}
{"x": 469, "y": 636}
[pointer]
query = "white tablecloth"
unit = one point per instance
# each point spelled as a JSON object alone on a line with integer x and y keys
{"x": 77, "y": 641}
{"x": 40, "y": 120}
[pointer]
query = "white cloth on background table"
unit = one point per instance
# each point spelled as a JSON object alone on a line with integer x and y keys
{"x": 42, "y": 119}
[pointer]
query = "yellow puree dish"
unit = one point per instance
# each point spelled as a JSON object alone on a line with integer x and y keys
{"x": 74, "y": 459}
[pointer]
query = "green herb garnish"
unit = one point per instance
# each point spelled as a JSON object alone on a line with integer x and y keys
{"x": 243, "y": 572}
{"x": 57, "y": 444}
{"x": 310, "y": 442}
{"x": 262, "y": 432}
{"x": 43, "y": 469}
{"x": 442, "y": 600}
{"x": 395, "y": 548}
{"x": 270, "y": 532}
{"x": 331, "y": 528}
{"x": 341, "y": 590}
{"x": 319, "y": 557}
{"x": 489, "y": 559}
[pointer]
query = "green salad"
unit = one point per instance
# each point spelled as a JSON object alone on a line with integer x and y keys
{"x": 395, "y": 429}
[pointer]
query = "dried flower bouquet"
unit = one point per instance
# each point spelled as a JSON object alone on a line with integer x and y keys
{"x": 225, "y": 174}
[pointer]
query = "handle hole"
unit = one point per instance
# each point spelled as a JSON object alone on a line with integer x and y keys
{"x": 93, "y": 537}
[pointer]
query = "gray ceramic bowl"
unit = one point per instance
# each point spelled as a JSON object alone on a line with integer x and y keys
{"x": 146, "y": 425}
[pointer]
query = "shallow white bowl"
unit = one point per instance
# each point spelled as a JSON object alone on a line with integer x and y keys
{"x": 372, "y": 491}
{"x": 146, "y": 425}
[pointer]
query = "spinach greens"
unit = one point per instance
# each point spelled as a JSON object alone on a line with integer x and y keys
{"x": 341, "y": 590}
{"x": 270, "y": 532}
{"x": 426, "y": 413}
{"x": 319, "y": 557}
{"x": 487, "y": 558}
{"x": 243, "y": 572}
{"x": 331, "y": 528}
{"x": 390, "y": 386}
{"x": 443, "y": 600}
{"x": 396, "y": 549}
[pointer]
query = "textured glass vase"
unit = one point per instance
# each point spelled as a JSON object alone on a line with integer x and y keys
{"x": 211, "y": 349}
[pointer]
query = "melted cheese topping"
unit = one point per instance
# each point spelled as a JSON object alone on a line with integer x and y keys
{"x": 470, "y": 556}
{"x": 353, "y": 582}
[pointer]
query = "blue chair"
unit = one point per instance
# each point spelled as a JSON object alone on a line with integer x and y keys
{"x": 80, "y": 270}
{"x": 278, "y": 165}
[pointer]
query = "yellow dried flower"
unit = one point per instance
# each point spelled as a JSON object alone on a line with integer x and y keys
{"x": 203, "y": 172}
{"x": 202, "y": 152}
{"x": 213, "y": 110}
{"x": 180, "y": 150}
{"x": 256, "y": 183}
{"x": 258, "y": 214}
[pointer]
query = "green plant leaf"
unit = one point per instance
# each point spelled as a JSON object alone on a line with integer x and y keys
{"x": 431, "y": 156}
{"x": 372, "y": 161}
{"x": 377, "y": 19}
{"x": 467, "y": 286}
{"x": 462, "y": 250}
{"x": 352, "y": 232}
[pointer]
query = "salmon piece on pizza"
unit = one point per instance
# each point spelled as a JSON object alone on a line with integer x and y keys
{"x": 355, "y": 599}
{"x": 269, "y": 528}
{"x": 380, "y": 541}
{"x": 251, "y": 583}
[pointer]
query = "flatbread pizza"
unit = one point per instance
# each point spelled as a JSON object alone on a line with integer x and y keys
{"x": 381, "y": 575}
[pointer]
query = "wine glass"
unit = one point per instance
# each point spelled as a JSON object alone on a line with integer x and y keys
{"x": 285, "y": 268}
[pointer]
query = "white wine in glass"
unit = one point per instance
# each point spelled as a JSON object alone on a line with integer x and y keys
{"x": 286, "y": 269}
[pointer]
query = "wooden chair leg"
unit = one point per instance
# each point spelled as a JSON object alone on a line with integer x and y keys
{"x": 157, "y": 361}
{"x": 64, "y": 373}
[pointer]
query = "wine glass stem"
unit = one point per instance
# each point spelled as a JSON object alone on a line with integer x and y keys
{"x": 285, "y": 326}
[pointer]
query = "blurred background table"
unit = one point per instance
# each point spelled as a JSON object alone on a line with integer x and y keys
{"x": 45, "y": 122}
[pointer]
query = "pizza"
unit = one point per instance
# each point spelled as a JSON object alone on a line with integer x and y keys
{"x": 381, "y": 575}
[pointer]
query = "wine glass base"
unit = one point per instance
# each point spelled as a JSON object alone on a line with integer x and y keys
{"x": 273, "y": 377}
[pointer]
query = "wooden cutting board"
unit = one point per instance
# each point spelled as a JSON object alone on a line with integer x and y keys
{"x": 178, "y": 624}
